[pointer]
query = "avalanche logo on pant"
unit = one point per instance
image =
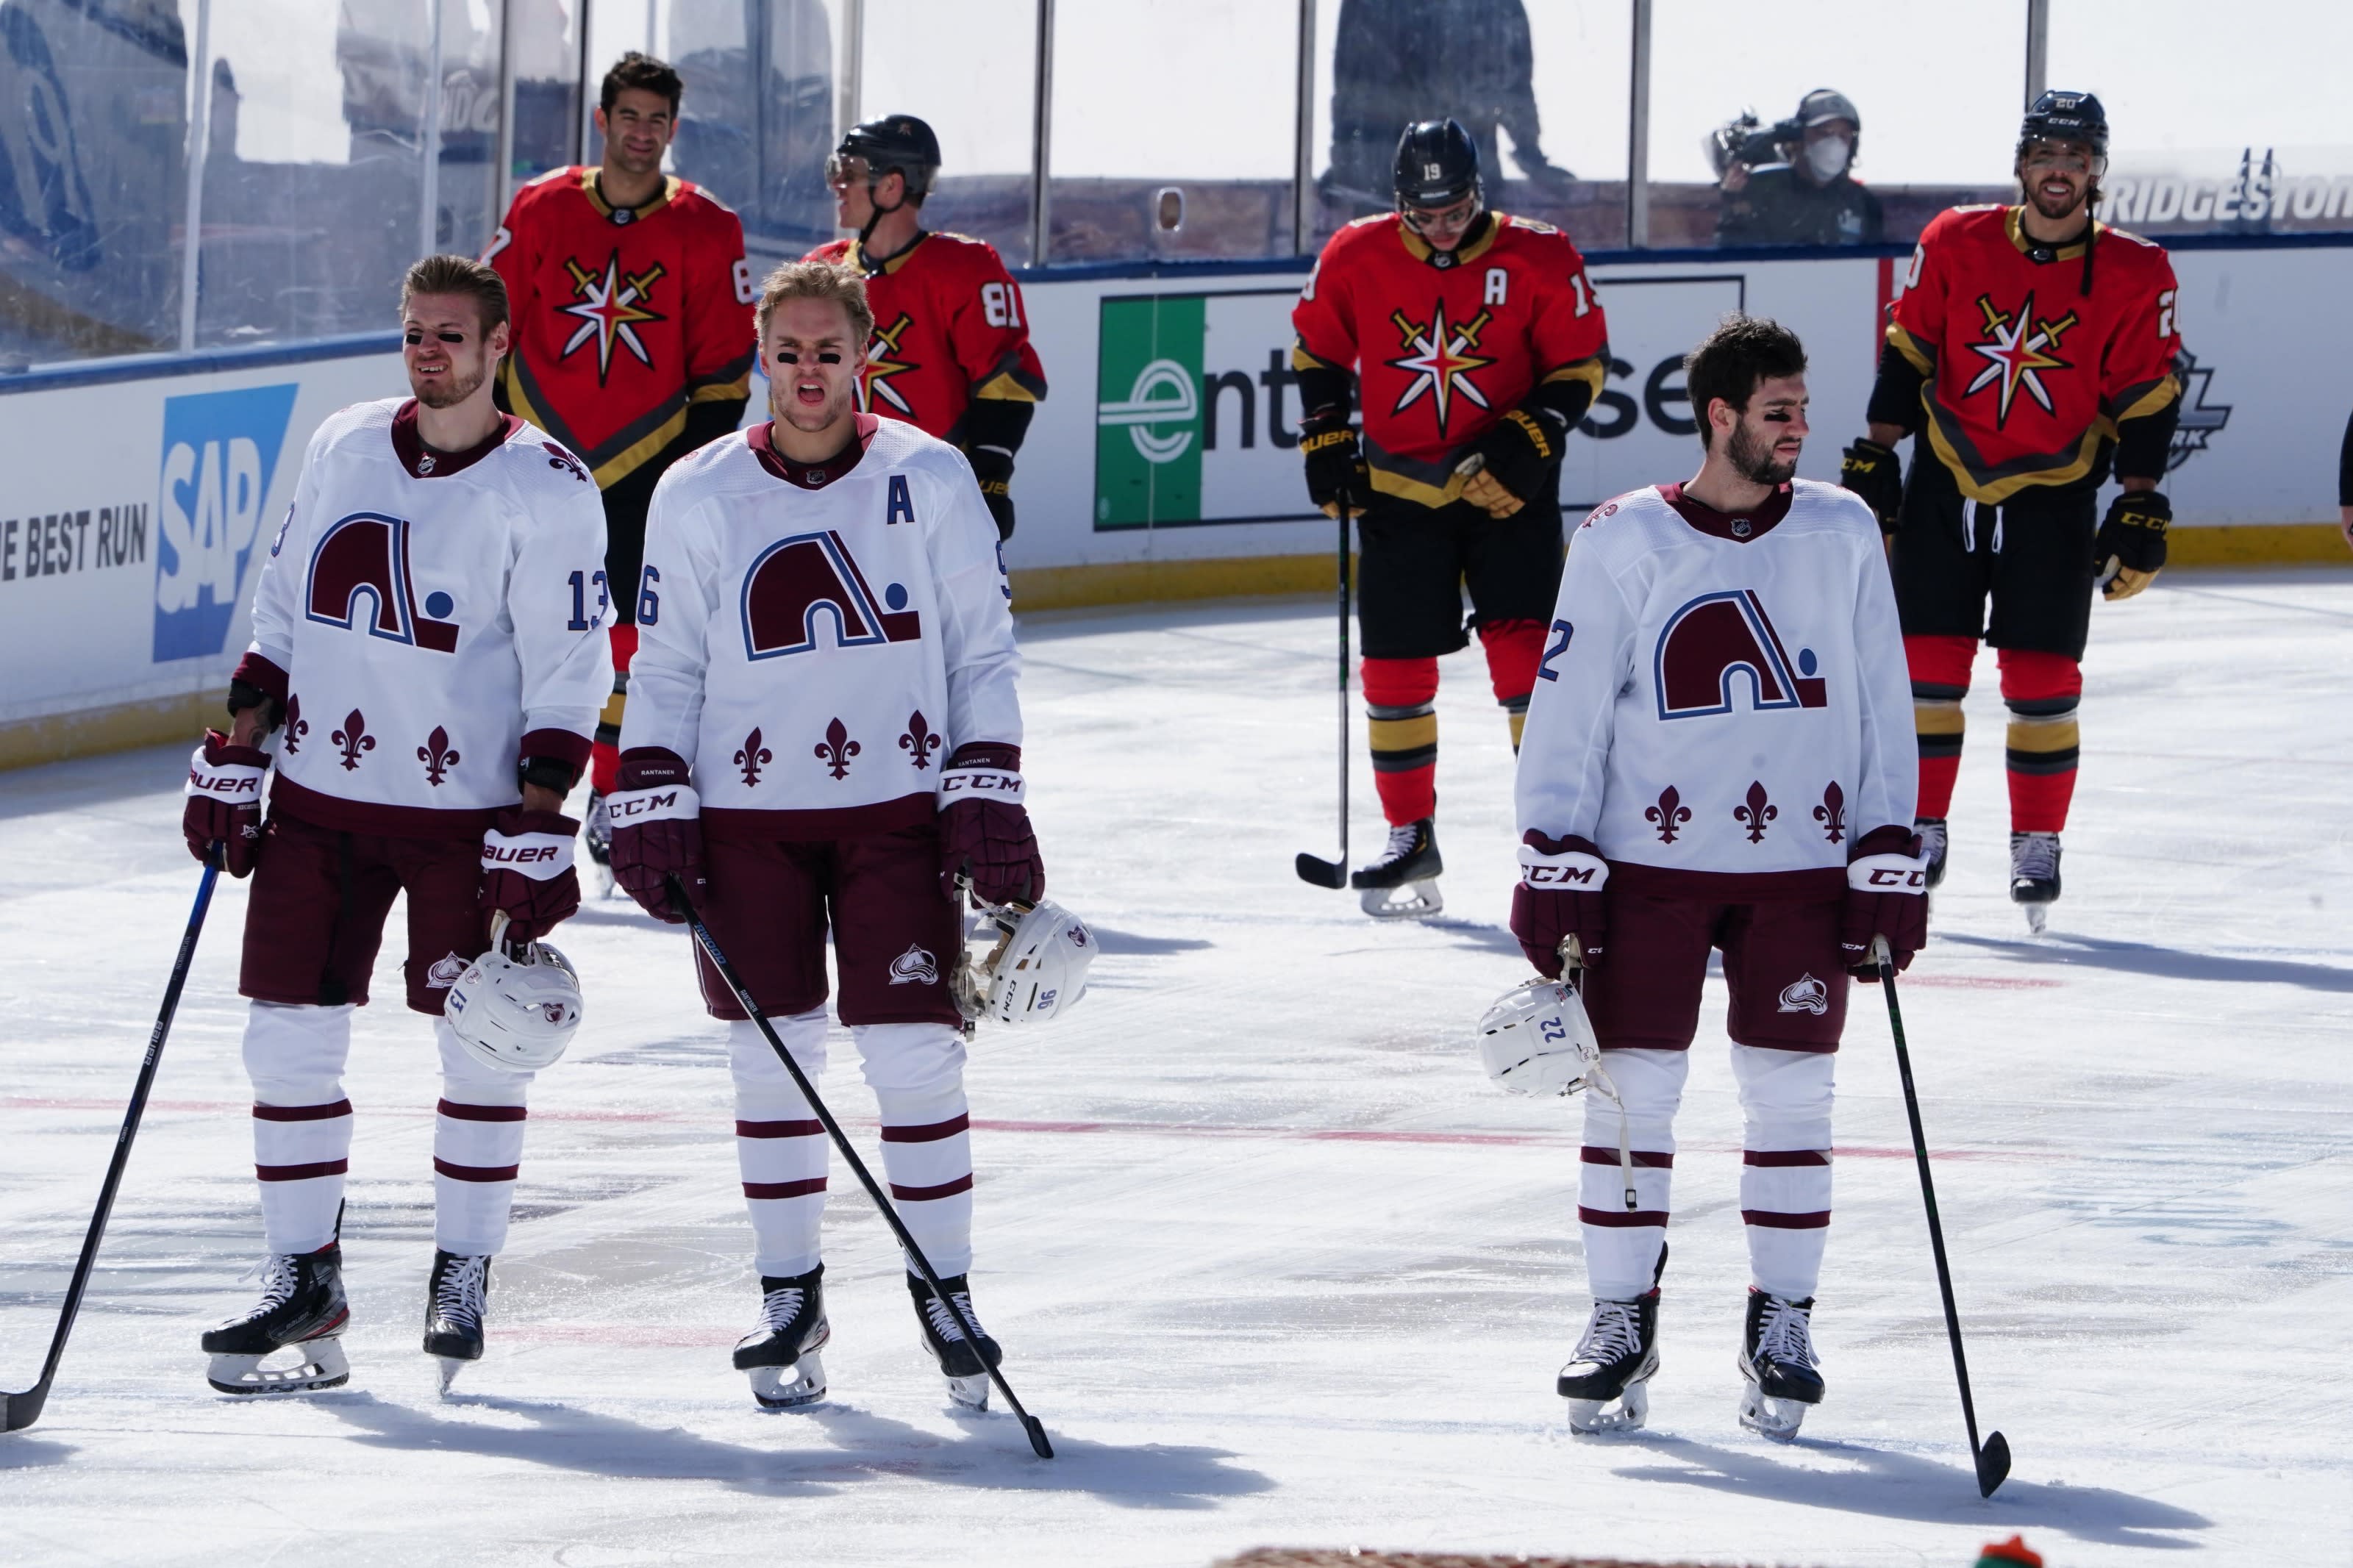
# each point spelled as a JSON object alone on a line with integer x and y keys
{"x": 914, "y": 967}
{"x": 1806, "y": 994}
{"x": 795, "y": 581}
{"x": 1719, "y": 636}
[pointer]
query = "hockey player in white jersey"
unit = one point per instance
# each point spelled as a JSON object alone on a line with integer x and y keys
{"x": 824, "y": 731}
{"x": 430, "y": 651}
{"x": 1719, "y": 754}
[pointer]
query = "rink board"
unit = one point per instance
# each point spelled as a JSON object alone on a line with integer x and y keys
{"x": 1163, "y": 465}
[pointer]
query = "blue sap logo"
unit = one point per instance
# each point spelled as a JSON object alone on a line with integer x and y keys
{"x": 219, "y": 451}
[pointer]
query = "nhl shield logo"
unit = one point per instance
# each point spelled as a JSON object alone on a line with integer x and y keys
{"x": 914, "y": 967}
{"x": 1806, "y": 994}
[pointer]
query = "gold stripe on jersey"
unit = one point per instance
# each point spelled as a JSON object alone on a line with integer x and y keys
{"x": 1303, "y": 360}
{"x": 670, "y": 183}
{"x": 1921, "y": 356}
{"x": 1008, "y": 382}
{"x": 1992, "y": 485}
{"x": 1592, "y": 371}
{"x": 733, "y": 379}
{"x": 1469, "y": 251}
{"x": 630, "y": 450}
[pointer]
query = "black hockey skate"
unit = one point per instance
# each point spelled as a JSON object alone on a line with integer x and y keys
{"x": 596, "y": 837}
{"x": 2035, "y": 875}
{"x": 1934, "y": 844}
{"x": 781, "y": 1354}
{"x": 302, "y": 1308}
{"x": 1401, "y": 883}
{"x": 1777, "y": 1361}
{"x": 1615, "y": 1363}
{"x": 966, "y": 1369}
{"x": 455, "y": 1301}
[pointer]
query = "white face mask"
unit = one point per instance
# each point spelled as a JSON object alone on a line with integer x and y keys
{"x": 1829, "y": 157}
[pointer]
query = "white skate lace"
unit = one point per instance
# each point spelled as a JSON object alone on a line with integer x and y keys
{"x": 1614, "y": 1333}
{"x": 459, "y": 1295}
{"x": 2035, "y": 857}
{"x": 1401, "y": 844}
{"x": 944, "y": 1323}
{"x": 779, "y": 1308}
{"x": 280, "y": 1276}
{"x": 1784, "y": 1334}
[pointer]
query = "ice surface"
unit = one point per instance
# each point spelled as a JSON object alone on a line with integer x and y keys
{"x": 1269, "y": 1257}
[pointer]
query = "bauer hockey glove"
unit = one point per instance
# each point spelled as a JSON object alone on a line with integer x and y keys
{"x": 225, "y": 802}
{"x": 1335, "y": 463}
{"x": 993, "y": 467}
{"x": 1877, "y": 474}
{"x": 2130, "y": 549}
{"x": 527, "y": 872}
{"x": 1508, "y": 466}
{"x": 1886, "y": 895}
{"x": 985, "y": 829}
{"x": 657, "y": 831}
{"x": 1559, "y": 896}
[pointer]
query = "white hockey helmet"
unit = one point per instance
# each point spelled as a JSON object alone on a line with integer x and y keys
{"x": 1536, "y": 1040}
{"x": 515, "y": 1012}
{"x": 1038, "y": 970}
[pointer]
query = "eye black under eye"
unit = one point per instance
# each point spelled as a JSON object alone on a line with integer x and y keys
{"x": 1780, "y": 415}
{"x": 451, "y": 337}
{"x": 831, "y": 356}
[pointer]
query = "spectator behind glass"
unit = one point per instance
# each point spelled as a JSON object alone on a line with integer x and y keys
{"x": 1395, "y": 62}
{"x": 1794, "y": 183}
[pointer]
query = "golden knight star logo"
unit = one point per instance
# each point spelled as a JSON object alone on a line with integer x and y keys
{"x": 882, "y": 363}
{"x": 2018, "y": 350}
{"x": 1440, "y": 359}
{"x": 609, "y": 305}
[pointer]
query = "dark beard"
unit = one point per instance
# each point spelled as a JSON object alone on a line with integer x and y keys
{"x": 1753, "y": 459}
{"x": 2044, "y": 208}
{"x": 456, "y": 392}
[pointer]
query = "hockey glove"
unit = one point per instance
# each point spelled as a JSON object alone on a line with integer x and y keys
{"x": 1886, "y": 895}
{"x": 2130, "y": 549}
{"x": 993, "y": 467}
{"x": 985, "y": 829}
{"x": 1877, "y": 474}
{"x": 1335, "y": 463}
{"x": 527, "y": 872}
{"x": 657, "y": 832}
{"x": 225, "y": 802}
{"x": 1559, "y": 896}
{"x": 1508, "y": 466}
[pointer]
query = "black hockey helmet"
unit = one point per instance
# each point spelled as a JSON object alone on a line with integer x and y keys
{"x": 1437, "y": 165}
{"x": 899, "y": 142}
{"x": 2066, "y": 117}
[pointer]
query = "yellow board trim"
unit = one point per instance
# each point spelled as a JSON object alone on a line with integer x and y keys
{"x": 122, "y": 727}
{"x": 1118, "y": 583}
{"x": 2258, "y": 544}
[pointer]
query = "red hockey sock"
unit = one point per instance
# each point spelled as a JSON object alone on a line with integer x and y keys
{"x": 1513, "y": 649}
{"x": 605, "y": 755}
{"x": 1401, "y": 708}
{"x": 1940, "y": 678}
{"x": 2041, "y": 691}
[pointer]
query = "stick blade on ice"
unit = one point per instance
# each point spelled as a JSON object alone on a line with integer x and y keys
{"x": 1994, "y": 1463}
{"x": 1322, "y": 873}
{"x": 25, "y": 1408}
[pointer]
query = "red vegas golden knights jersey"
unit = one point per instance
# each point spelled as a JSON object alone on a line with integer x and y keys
{"x": 1445, "y": 345}
{"x": 949, "y": 331}
{"x": 2027, "y": 374}
{"x": 622, "y": 316}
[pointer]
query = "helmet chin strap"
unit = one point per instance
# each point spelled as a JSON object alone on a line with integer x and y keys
{"x": 876, "y": 213}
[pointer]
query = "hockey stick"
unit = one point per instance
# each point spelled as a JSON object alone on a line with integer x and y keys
{"x": 25, "y": 1408}
{"x": 1992, "y": 1456}
{"x": 703, "y": 939}
{"x": 1335, "y": 873}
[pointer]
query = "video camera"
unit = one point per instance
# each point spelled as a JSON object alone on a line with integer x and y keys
{"x": 1749, "y": 141}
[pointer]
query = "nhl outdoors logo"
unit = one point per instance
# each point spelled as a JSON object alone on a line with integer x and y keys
{"x": 914, "y": 967}
{"x": 1806, "y": 994}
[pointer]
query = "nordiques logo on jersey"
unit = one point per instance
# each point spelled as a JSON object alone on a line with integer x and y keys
{"x": 609, "y": 305}
{"x": 795, "y": 584}
{"x": 1440, "y": 359}
{"x": 220, "y": 450}
{"x": 1710, "y": 642}
{"x": 2017, "y": 350}
{"x": 365, "y": 556}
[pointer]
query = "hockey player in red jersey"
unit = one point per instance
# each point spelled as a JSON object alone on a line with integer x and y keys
{"x": 1475, "y": 344}
{"x": 428, "y": 651}
{"x": 825, "y": 731}
{"x": 2032, "y": 348}
{"x": 1719, "y": 756}
{"x": 951, "y": 352}
{"x": 633, "y": 335}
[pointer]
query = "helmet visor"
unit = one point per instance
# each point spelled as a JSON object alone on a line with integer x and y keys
{"x": 1448, "y": 220}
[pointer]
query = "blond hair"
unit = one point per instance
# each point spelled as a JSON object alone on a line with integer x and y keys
{"x": 817, "y": 280}
{"x": 459, "y": 275}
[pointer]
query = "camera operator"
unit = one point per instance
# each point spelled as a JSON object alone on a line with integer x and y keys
{"x": 1793, "y": 184}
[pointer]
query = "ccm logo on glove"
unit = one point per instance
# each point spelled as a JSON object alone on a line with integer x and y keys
{"x": 634, "y": 805}
{"x": 983, "y": 783}
{"x": 1886, "y": 874}
{"x": 1572, "y": 871}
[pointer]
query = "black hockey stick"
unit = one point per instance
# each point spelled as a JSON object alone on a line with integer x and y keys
{"x": 1992, "y": 1456}
{"x": 1029, "y": 1424}
{"x": 25, "y": 1408}
{"x": 1335, "y": 873}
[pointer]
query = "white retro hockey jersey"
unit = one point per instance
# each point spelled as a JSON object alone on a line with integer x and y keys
{"x": 1723, "y": 707}
{"x": 427, "y": 619}
{"x": 817, "y": 641}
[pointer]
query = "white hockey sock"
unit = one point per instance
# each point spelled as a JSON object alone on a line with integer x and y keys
{"x": 917, "y": 1074}
{"x": 1785, "y": 1175}
{"x": 1622, "y": 1245}
{"x": 301, "y": 1122}
{"x": 780, "y": 1145}
{"x": 476, "y": 1148}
